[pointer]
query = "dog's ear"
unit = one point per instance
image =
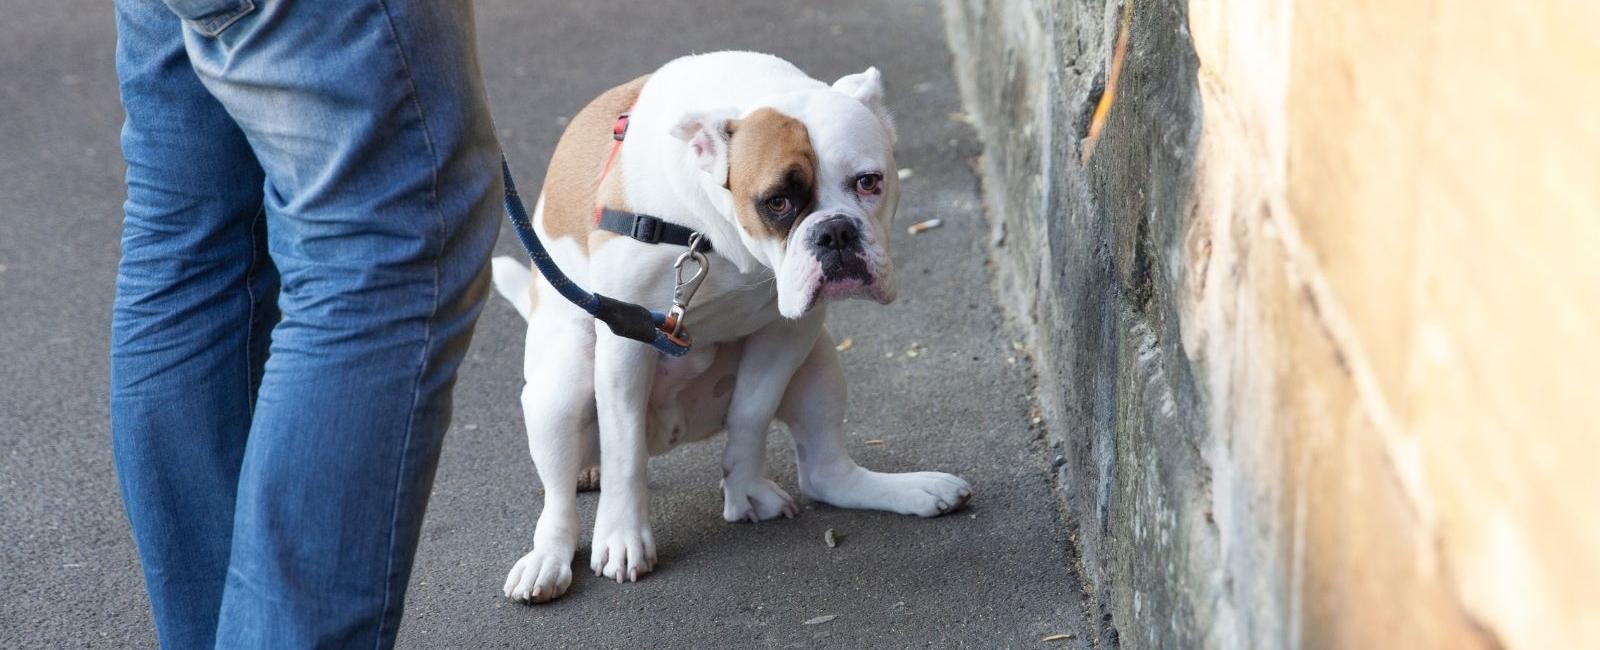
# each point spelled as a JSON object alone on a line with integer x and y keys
{"x": 707, "y": 134}
{"x": 867, "y": 88}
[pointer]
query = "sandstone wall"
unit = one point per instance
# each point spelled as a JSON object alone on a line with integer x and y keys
{"x": 1312, "y": 289}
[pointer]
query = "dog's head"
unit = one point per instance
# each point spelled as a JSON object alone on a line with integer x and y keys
{"x": 809, "y": 182}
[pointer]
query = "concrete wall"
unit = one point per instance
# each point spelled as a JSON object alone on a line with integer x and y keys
{"x": 1312, "y": 288}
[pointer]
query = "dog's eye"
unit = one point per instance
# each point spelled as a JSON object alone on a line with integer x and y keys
{"x": 869, "y": 183}
{"x": 779, "y": 205}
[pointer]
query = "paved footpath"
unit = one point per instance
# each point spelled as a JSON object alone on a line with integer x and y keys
{"x": 994, "y": 575}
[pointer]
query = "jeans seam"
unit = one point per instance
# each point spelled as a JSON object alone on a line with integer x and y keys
{"x": 250, "y": 323}
{"x": 427, "y": 337}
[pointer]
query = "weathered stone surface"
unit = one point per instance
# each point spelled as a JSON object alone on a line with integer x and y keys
{"x": 1086, "y": 254}
{"x": 1313, "y": 309}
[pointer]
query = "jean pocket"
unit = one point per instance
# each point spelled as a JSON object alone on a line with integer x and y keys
{"x": 210, "y": 17}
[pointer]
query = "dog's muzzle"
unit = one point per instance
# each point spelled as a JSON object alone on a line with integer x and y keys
{"x": 836, "y": 243}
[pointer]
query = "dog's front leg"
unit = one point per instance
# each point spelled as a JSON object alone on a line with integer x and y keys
{"x": 623, "y": 548}
{"x": 814, "y": 410}
{"x": 771, "y": 356}
{"x": 558, "y": 406}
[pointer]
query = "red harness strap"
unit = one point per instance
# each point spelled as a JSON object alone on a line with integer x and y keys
{"x": 618, "y": 132}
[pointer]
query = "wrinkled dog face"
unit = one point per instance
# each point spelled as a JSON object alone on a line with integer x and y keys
{"x": 814, "y": 188}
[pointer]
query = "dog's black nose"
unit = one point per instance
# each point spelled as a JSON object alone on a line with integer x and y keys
{"x": 836, "y": 234}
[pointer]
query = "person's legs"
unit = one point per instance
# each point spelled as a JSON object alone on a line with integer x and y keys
{"x": 382, "y": 199}
{"x": 195, "y": 299}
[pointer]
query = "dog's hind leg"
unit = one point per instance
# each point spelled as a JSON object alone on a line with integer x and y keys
{"x": 814, "y": 408}
{"x": 558, "y": 405}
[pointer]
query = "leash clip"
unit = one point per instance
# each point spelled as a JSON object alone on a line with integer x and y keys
{"x": 684, "y": 291}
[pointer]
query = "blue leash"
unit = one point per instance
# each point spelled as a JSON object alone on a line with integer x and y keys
{"x": 625, "y": 319}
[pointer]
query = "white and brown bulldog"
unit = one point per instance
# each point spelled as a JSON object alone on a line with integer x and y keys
{"x": 794, "y": 183}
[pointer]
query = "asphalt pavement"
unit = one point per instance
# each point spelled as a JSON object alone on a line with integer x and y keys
{"x": 935, "y": 382}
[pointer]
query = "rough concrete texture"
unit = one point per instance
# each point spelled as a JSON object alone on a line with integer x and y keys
{"x": 1309, "y": 316}
{"x": 992, "y": 576}
{"x": 1085, "y": 254}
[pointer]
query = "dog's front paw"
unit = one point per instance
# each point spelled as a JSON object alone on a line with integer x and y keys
{"x": 756, "y": 500}
{"x": 540, "y": 576}
{"x": 623, "y": 552}
{"x": 925, "y": 494}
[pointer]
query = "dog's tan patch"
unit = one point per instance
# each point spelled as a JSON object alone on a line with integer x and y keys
{"x": 572, "y": 186}
{"x": 770, "y": 156}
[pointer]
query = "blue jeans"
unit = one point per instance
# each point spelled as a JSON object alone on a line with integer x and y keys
{"x": 312, "y": 200}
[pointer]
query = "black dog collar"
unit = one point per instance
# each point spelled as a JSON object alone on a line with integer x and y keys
{"x": 648, "y": 229}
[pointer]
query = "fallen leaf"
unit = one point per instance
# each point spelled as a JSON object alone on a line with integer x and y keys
{"x": 821, "y": 619}
{"x": 924, "y": 226}
{"x": 846, "y": 344}
{"x": 1057, "y": 637}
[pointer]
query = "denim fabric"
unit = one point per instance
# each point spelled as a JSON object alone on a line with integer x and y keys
{"x": 312, "y": 199}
